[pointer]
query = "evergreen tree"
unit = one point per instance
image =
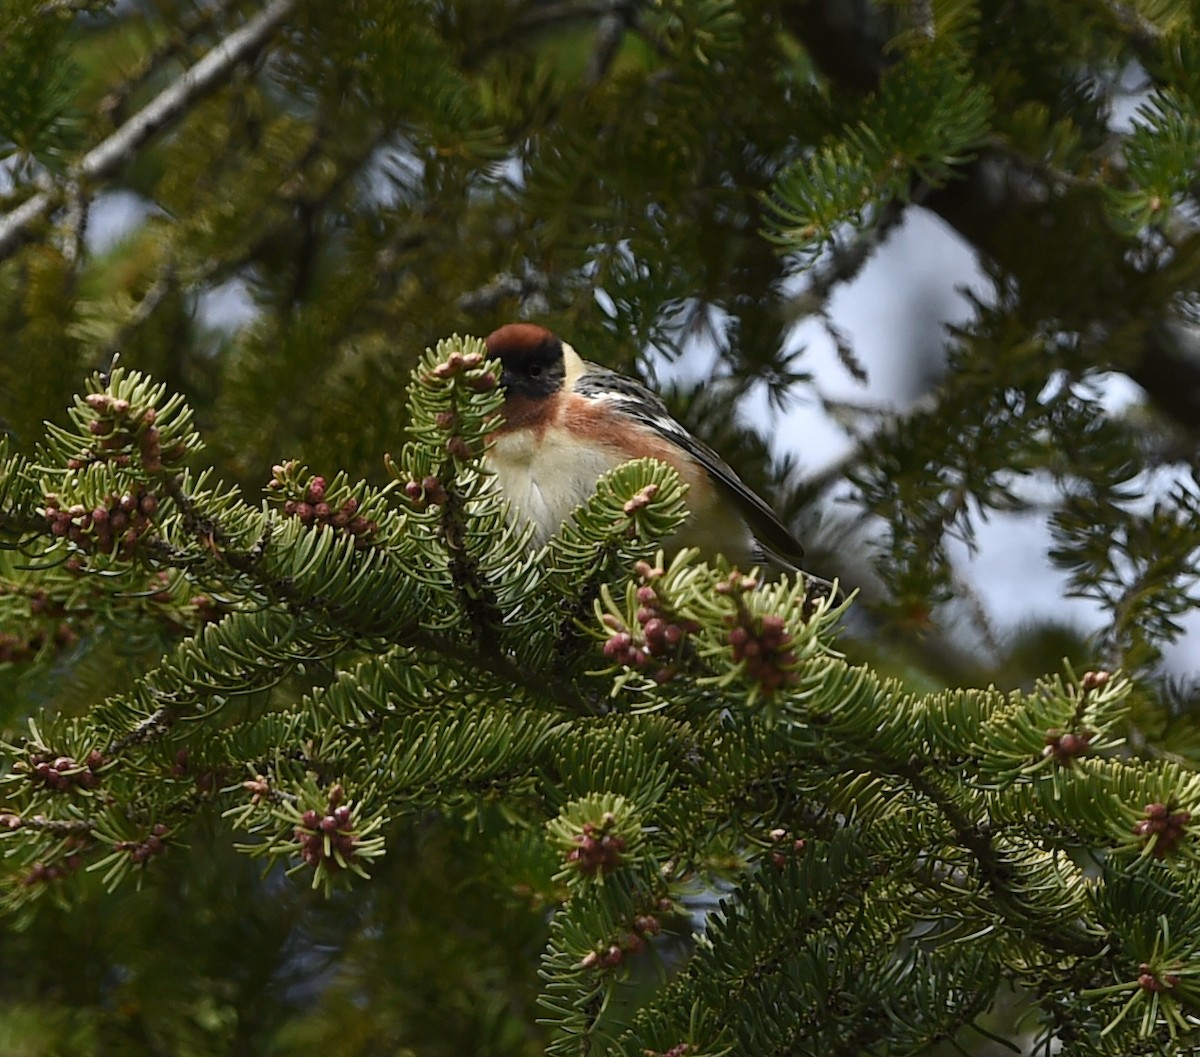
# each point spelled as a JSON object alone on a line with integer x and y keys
{"x": 305, "y": 748}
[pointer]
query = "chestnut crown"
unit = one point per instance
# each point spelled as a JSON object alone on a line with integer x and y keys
{"x": 532, "y": 359}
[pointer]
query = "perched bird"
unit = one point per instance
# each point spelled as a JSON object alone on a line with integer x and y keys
{"x": 568, "y": 421}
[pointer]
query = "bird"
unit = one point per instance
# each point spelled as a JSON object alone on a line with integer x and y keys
{"x": 567, "y": 421}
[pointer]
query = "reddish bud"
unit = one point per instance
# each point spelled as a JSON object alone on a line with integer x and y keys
{"x": 642, "y": 500}
{"x": 647, "y": 924}
{"x": 459, "y": 448}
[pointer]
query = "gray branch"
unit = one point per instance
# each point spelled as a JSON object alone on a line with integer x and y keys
{"x": 107, "y": 156}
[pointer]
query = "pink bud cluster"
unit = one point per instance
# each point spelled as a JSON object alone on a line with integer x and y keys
{"x": 680, "y": 1050}
{"x": 632, "y": 942}
{"x": 596, "y": 849}
{"x": 118, "y": 522}
{"x": 1094, "y": 681}
{"x": 1150, "y": 981}
{"x": 457, "y": 364}
{"x": 609, "y": 958}
{"x": 1168, "y": 829}
{"x": 259, "y": 788}
{"x": 456, "y": 445}
{"x": 118, "y": 429}
{"x": 763, "y": 647}
{"x": 1065, "y": 747}
{"x": 47, "y": 872}
{"x": 182, "y": 616}
{"x": 327, "y": 838}
{"x": 19, "y": 649}
{"x": 313, "y": 508}
{"x": 660, "y": 634}
{"x": 641, "y": 500}
{"x": 635, "y": 504}
{"x": 207, "y": 781}
{"x": 785, "y": 847}
{"x": 426, "y": 493}
{"x": 142, "y": 851}
{"x": 62, "y": 773}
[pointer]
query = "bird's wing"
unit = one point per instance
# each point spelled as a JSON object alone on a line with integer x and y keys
{"x": 640, "y": 403}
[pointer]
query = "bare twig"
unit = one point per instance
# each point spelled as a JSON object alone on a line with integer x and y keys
{"x": 844, "y": 261}
{"x": 608, "y": 40}
{"x": 921, "y": 14}
{"x": 566, "y": 10}
{"x": 47, "y": 825}
{"x": 111, "y": 153}
{"x": 76, "y": 222}
{"x": 1142, "y": 33}
{"x": 485, "y": 298}
{"x": 152, "y": 298}
{"x": 174, "y": 44}
{"x": 504, "y": 286}
{"x": 72, "y": 7}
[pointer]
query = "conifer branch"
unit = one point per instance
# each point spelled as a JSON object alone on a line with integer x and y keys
{"x": 154, "y": 296}
{"x": 11, "y": 822}
{"x": 1143, "y": 34}
{"x": 487, "y": 298}
{"x": 474, "y": 594}
{"x": 213, "y": 539}
{"x": 73, "y": 7}
{"x": 175, "y": 43}
{"x": 109, "y": 155}
{"x": 995, "y": 873}
{"x": 608, "y": 39}
{"x": 248, "y": 564}
{"x": 542, "y": 14}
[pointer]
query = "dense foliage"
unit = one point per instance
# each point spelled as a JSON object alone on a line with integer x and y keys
{"x": 306, "y": 750}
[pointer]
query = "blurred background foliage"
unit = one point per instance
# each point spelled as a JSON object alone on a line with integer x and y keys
{"x": 648, "y": 179}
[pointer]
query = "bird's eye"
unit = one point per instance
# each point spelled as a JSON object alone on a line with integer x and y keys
{"x": 535, "y": 370}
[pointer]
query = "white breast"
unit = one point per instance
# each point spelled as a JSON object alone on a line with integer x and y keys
{"x": 544, "y": 481}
